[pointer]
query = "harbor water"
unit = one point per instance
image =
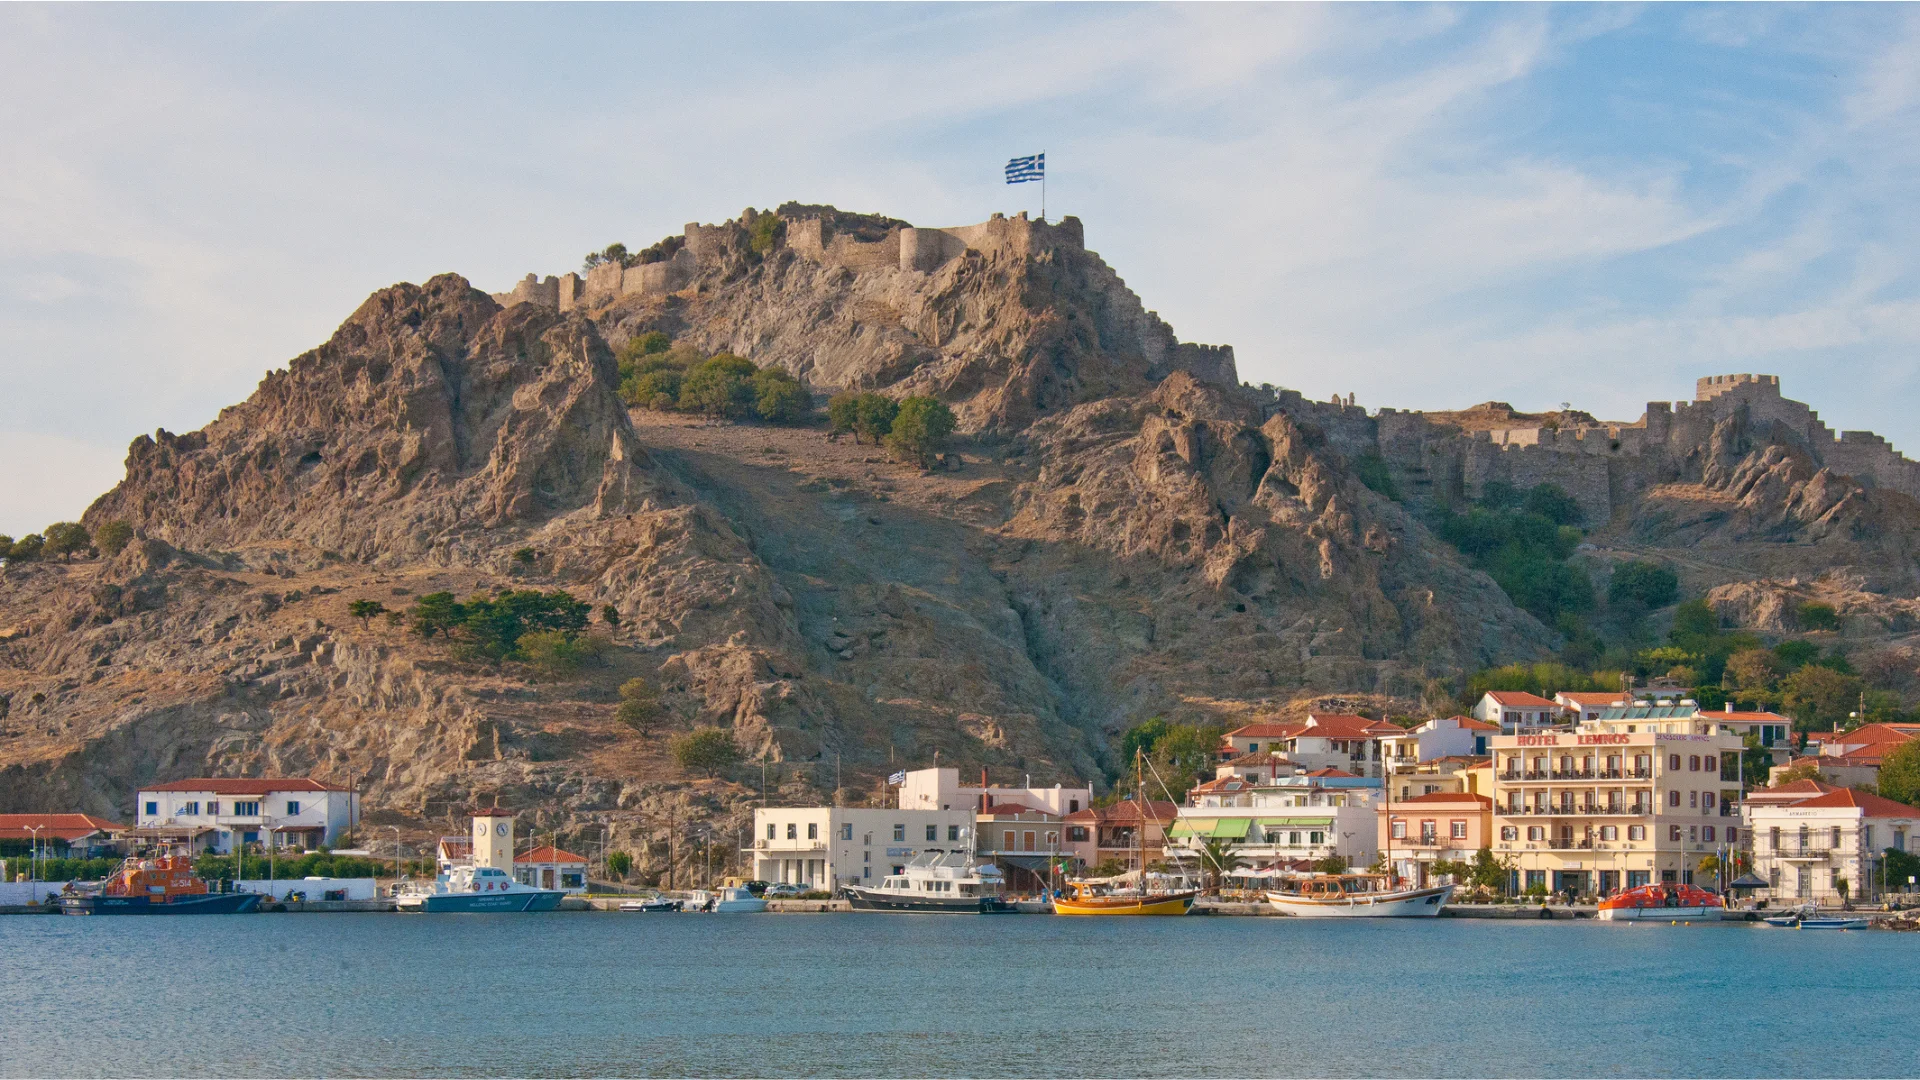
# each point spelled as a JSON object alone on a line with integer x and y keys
{"x": 932, "y": 995}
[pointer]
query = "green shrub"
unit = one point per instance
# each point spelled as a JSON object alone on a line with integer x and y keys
{"x": 920, "y": 430}
{"x": 722, "y": 385}
{"x": 619, "y": 863}
{"x": 365, "y": 610}
{"x": 112, "y": 537}
{"x": 777, "y": 396}
{"x": 639, "y": 706}
{"x": 27, "y": 548}
{"x": 843, "y": 414}
{"x": 491, "y": 628}
{"x": 873, "y": 417}
{"x": 1373, "y": 472}
{"x": 67, "y": 539}
{"x": 1813, "y": 615}
{"x": 708, "y": 750}
{"x": 658, "y": 389}
{"x": 764, "y": 232}
{"x": 1644, "y": 583}
{"x": 558, "y": 653}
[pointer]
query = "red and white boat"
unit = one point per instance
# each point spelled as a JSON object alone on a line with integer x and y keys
{"x": 1663, "y": 902}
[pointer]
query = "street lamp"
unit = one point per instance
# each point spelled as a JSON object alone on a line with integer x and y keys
{"x": 33, "y": 865}
{"x": 396, "y": 856}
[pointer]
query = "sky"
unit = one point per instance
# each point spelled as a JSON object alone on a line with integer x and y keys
{"x": 1426, "y": 206}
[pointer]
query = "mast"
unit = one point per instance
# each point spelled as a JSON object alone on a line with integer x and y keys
{"x": 1140, "y": 806}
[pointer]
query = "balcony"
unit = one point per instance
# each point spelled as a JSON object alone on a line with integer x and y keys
{"x": 794, "y": 845}
{"x": 1570, "y": 845}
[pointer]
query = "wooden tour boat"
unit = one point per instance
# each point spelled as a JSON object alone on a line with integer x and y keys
{"x": 1346, "y": 896}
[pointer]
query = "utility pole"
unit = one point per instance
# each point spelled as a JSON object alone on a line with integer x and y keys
{"x": 33, "y": 865}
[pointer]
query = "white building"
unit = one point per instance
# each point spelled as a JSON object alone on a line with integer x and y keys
{"x": 1447, "y": 736}
{"x": 1283, "y": 825}
{"x": 1582, "y": 706}
{"x": 828, "y": 846}
{"x": 941, "y": 789}
{"x": 1806, "y": 848}
{"x": 213, "y": 812}
{"x": 1518, "y": 712}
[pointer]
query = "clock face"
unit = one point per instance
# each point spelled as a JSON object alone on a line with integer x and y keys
{"x": 500, "y": 830}
{"x": 480, "y": 828}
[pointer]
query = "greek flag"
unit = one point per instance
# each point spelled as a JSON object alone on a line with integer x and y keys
{"x": 1023, "y": 169}
{"x": 897, "y": 778}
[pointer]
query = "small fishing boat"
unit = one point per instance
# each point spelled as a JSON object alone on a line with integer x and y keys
{"x": 1662, "y": 902}
{"x": 162, "y": 885}
{"x": 935, "y": 881}
{"x": 1349, "y": 896}
{"x": 729, "y": 901}
{"x": 1088, "y": 899}
{"x": 1809, "y": 918}
{"x": 651, "y": 904}
{"x": 473, "y": 889}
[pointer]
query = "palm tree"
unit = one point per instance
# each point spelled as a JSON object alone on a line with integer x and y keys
{"x": 1218, "y": 859}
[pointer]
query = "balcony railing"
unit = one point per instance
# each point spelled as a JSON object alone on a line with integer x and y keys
{"x": 793, "y": 845}
{"x": 1586, "y": 810}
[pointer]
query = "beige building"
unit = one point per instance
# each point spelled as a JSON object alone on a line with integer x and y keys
{"x": 1636, "y": 796}
{"x": 1806, "y": 847}
{"x": 824, "y": 847}
{"x": 1444, "y": 826}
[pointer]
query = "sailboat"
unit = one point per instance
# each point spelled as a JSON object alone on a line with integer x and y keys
{"x": 1099, "y": 899}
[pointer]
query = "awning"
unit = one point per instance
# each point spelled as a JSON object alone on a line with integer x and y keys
{"x": 1231, "y": 828}
{"x": 1187, "y": 827}
{"x": 1296, "y": 823}
{"x": 1749, "y": 881}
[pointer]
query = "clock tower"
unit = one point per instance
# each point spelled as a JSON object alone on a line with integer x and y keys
{"x": 493, "y": 839}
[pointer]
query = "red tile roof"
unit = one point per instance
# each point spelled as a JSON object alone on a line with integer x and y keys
{"x": 1588, "y": 699}
{"x": 1745, "y": 717}
{"x": 1262, "y": 731}
{"x": 1448, "y": 797}
{"x": 1122, "y": 813}
{"x": 1798, "y": 787}
{"x": 1011, "y": 808}
{"x": 547, "y": 853}
{"x": 241, "y": 786}
{"x": 1259, "y": 757}
{"x": 1346, "y": 726}
{"x": 64, "y": 827}
{"x": 1222, "y": 783}
{"x": 1468, "y": 723}
{"x": 1330, "y": 771}
{"x": 1871, "y": 805}
{"x": 1521, "y": 699}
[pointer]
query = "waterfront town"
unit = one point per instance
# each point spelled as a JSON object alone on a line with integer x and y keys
{"x": 1529, "y": 800}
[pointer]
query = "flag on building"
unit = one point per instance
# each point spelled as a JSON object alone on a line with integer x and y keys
{"x": 897, "y": 778}
{"x": 1021, "y": 170}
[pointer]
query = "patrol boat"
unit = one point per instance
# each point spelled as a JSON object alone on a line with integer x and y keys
{"x": 477, "y": 888}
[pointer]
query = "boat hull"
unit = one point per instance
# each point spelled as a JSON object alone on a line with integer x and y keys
{"x": 479, "y": 903}
{"x": 1834, "y": 924}
{"x": 1409, "y": 904}
{"x": 209, "y": 904}
{"x": 1168, "y": 904}
{"x": 864, "y": 899}
{"x": 1690, "y": 913}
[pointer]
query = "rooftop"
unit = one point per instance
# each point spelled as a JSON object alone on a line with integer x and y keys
{"x": 1448, "y": 797}
{"x": 67, "y": 827}
{"x": 1521, "y": 699}
{"x": 1870, "y": 805}
{"x": 230, "y": 785}
{"x": 547, "y": 853}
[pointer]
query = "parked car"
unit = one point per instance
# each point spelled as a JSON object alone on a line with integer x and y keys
{"x": 774, "y": 892}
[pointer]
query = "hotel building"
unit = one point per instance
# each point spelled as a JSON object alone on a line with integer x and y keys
{"x": 1638, "y": 795}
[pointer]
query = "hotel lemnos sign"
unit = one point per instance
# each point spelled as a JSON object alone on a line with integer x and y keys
{"x": 1600, "y": 740}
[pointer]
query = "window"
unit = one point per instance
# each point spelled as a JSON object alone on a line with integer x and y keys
{"x": 191, "y": 809}
{"x": 1693, "y": 800}
{"x": 1900, "y": 839}
{"x": 1673, "y": 762}
{"x": 866, "y": 872}
{"x": 1073, "y": 806}
{"x": 953, "y": 832}
{"x": 1706, "y": 833}
{"x": 1636, "y": 832}
{"x": 1706, "y": 800}
{"x": 1053, "y": 840}
{"x": 1428, "y": 829}
{"x": 1006, "y": 840}
{"x": 1536, "y": 832}
{"x": 1509, "y": 832}
{"x": 1836, "y": 838}
{"x": 1316, "y": 838}
{"x": 1773, "y": 838}
{"x": 1693, "y": 762}
{"x": 813, "y": 830}
{"x": 846, "y": 830}
{"x": 293, "y": 807}
{"x": 1457, "y": 830}
{"x": 1399, "y": 830}
{"x": 793, "y": 831}
{"x": 1869, "y": 837}
{"x": 1732, "y": 834}
{"x": 1673, "y": 833}
{"x": 1609, "y": 832}
{"x": 933, "y": 833}
{"x": 246, "y": 809}
{"x": 1253, "y": 748}
{"x": 153, "y": 809}
{"x": 1673, "y": 798}
{"x": 1709, "y": 763}
{"x": 250, "y": 838}
{"x": 213, "y": 809}
{"x": 1293, "y": 839}
{"x": 1077, "y": 834}
{"x": 899, "y": 832}
{"x": 770, "y": 830}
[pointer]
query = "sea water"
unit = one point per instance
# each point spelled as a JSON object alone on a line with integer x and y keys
{"x": 938, "y": 995}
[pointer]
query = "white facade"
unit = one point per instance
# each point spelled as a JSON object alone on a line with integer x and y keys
{"x": 1446, "y": 736}
{"x": 288, "y": 813}
{"x": 824, "y": 847}
{"x": 1517, "y": 712}
{"x": 1299, "y": 818}
{"x": 941, "y": 789}
{"x": 1805, "y": 849}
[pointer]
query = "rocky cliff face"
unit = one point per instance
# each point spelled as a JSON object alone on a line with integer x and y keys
{"x": 1128, "y": 533}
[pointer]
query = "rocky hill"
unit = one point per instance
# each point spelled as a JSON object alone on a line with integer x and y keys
{"x": 1124, "y": 532}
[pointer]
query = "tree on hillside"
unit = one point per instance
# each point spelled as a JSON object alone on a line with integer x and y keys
{"x": 721, "y": 385}
{"x": 920, "y": 430}
{"x": 27, "y": 548}
{"x": 1900, "y": 773}
{"x": 1814, "y": 615}
{"x": 610, "y": 615}
{"x": 1646, "y": 583}
{"x": 873, "y": 417}
{"x": 708, "y": 750}
{"x": 619, "y": 863}
{"x": 558, "y": 653}
{"x": 435, "y": 613}
{"x": 843, "y": 415}
{"x": 65, "y": 538}
{"x": 777, "y": 396}
{"x": 365, "y": 610}
{"x": 1819, "y": 697}
{"x": 113, "y": 537}
{"x": 639, "y": 706}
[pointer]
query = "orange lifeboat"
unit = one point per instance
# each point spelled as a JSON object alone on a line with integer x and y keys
{"x": 1647, "y": 903}
{"x": 162, "y": 885}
